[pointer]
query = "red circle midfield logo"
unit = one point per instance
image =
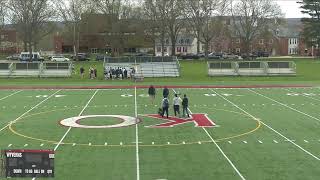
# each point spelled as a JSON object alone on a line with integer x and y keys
{"x": 198, "y": 119}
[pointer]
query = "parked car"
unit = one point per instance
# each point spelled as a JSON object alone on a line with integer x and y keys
{"x": 59, "y": 58}
{"x": 263, "y": 54}
{"x": 230, "y": 56}
{"x": 201, "y": 55}
{"x": 13, "y": 57}
{"x": 190, "y": 56}
{"x": 25, "y": 56}
{"x": 251, "y": 56}
{"x": 81, "y": 57}
{"x": 215, "y": 56}
{"x": 101, "y": 57}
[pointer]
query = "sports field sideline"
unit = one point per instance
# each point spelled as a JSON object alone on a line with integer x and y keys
{"x": 235, "y": 133}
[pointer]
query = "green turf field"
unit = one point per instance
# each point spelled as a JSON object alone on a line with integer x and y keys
{"x": 260, "y": 134}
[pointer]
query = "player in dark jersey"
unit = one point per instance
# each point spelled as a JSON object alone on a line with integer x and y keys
{"x": 152, "y": 93}
{"x": 185, "y": 104}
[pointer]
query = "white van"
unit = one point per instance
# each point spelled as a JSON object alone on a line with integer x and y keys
{"x": 25, "y": 56}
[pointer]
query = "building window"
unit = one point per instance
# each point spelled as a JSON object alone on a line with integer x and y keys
{"x": 185, "y": 49}
{"x": 261, "y": 41}
{"x": 2, "y": 37}
{"x": 238, "y": 41}
{"x": 179, "y": 49}
{"x": 238, "y": 50}
{"x": 94, "y": 50}
{"x": 164, "y": 49}
{"x": 167, "y": 41}
{"x": 271, "y": 41}
{"x": 293, "y": 51}
{"x": 181, "y": 41}
{"x": 158, "y": 49}
{"x": 187, "y": 41}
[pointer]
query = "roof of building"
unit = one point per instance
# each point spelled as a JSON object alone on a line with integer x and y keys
{"x": 291, "y": 28}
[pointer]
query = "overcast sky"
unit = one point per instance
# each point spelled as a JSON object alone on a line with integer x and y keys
{"x": 290, "y": 8}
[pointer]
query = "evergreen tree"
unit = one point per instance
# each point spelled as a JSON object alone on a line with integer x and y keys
{"x": 311, "y": 31}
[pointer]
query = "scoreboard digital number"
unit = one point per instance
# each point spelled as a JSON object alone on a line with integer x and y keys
{"x": 28, "y": 163}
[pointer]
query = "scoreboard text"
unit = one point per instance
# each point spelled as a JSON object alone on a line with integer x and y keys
{"x": 28, "y": 163}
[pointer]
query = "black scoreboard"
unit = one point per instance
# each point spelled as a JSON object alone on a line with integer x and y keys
{"x": 28, "y": 163}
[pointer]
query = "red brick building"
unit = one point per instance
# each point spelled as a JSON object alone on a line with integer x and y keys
{"x": 100, "y": 33}
{"x": 9, "y": 41}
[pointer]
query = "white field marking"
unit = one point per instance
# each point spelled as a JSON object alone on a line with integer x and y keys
{"x": 277, "y": 132}
{"x": 9, "y": 145}
{"x": 230, "y": 162}
{"x": 285, "y": 105}
{"x": 290, "y": 140}
{"x": 137, "y": 133}
{"x": 219, "y": 148}
{"x": 304, "y": 95}
{"x": 275, "y": 141}
{"x": 136, "y": 142}
{"x": 34, "y": 107}
{"x": 10, "y": 95}
{"x": 64, "y": 136}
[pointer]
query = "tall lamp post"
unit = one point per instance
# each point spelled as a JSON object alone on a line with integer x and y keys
{"x": 317, "y": 50}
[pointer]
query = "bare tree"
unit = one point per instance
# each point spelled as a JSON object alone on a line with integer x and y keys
{"x": 155, "y": 22}
{"x": 3, "y": 15}
{"x": 30, "y": 16}
{"x": 251, "y": 17}
{"x": 110, "y": 7}
{"x": 70, "y": 12}
{"x": 173, "y": 16}
{"x": 203, "y": 16}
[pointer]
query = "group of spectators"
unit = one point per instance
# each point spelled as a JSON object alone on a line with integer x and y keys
{"x": 118, "y": 73}
{"x": 109, "y": 72}
{"x": 92, "y": 72}
{"x": 165, "y": 102}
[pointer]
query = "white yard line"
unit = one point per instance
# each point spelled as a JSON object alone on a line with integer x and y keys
{"x": 137, "y": 133}
{"x": 296, "y": 110}
{"x": 10, "y": 95}
{"x": 219, "y": 148}
{"x": 303, "y": 95}
{"x": 32, "y": 108}
{"x": 64, "y": 136}
{"x": 277, "y": 132}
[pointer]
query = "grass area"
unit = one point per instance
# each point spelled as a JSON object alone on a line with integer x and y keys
{"x": 192, "y": 72}
{"x": 265, "y": 133}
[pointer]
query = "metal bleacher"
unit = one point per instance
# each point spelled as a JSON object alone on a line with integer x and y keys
{"x": 147, "y": 66}
{"x": 252, "y": 68}
{"x": 35, "y": 69}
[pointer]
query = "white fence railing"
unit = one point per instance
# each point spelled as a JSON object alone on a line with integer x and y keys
{"x": 35, "y": 69}
{"x": 252, "y": 68}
